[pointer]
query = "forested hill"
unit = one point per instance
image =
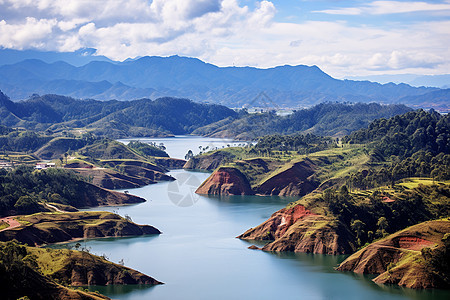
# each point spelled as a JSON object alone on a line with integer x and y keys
{"x": 144, "y": 117}
{"x": 173, "y": 116}
{"x": 415, "y": 144}
{"x": 405, "y": 134}
{"x": 154, "y": 77}
{"x": 327, "y": 119}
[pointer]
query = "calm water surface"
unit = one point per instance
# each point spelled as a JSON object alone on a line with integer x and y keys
{"x": 198, "y": 256}
{"x": 178, "y": 146}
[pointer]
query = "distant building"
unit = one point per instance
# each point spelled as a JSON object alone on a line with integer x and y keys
{"x": 44, "y": 165}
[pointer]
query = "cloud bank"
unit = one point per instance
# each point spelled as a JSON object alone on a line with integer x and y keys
{"x": 227, "y": 32}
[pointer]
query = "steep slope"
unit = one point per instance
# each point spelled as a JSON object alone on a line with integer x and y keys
{"x": 259, "y": 176}
{"x": 292, "y": 179}
{"x": 338, "y": 222}
{"x": 46, "y": 228}
{"x": 416, "y": 257}
{"x": 225, "y": 181}
{"x": 297, "y": 229}
{"x": 80, "y": 268}
{"x": 34, "y": 273}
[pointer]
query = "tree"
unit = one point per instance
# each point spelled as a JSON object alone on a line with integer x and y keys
{"x": 26, "y": 204}
{"x": 358, "y": 227}
{"x": 189, "y": 155}
{"x": 383, "y": 225}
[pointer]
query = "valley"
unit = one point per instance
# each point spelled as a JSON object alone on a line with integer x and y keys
{"x": 335, "y": 195}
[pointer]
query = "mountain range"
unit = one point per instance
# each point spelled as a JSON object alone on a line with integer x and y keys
{"x": 155, "y": 77}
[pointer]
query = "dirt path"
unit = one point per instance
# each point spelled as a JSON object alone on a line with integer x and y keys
{"x": 54, "y": 207}
{"x": 13, "y": 223}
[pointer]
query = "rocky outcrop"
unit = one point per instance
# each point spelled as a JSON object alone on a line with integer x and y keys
{"x": 256, "y": 176}
{"x": 265, "y": 177}
{"x": 398, "y": 258}
{"x": 299, "y": 230}
{"x": 293, "y": 180}
{"x": 47, "y": 228}
{"x": 226, "y": 181}
{"x": 209, "y": 162}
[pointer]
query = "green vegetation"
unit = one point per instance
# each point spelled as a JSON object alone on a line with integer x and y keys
{"x": 36, "y": 273}
{"x": 3, "y": 225}
{"x": 374, "y": 214}
{"x": 326, "y": 119}
{"x": 415, "y": 144}
{"x": 55, "y": 227}
{"x": 21, "y": 277}
{"x": 169, "y": 116}
{"x": 146, "y": 149}
{"x": 403, "y": 135}
{"x": 115, "y": 119}
{"x": 23, "y": 189}
{"x": 438, "y": 259}
{"x": 415, "y": 257}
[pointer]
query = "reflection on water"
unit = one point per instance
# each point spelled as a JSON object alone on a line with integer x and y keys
{"x": 198, "y": 257}
{"x": 139, "y": 291}
{"x": 253, "y": 199}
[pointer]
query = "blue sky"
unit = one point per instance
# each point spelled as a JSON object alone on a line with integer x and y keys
{"x": 344, "y": 38}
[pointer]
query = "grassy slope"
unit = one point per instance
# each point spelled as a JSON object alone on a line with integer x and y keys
{"x": 403, "y": 264}
{"x": 71, "y": 267}
{"x": 44, "y": 228}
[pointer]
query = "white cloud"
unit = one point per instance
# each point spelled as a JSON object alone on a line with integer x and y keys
{"x": 32, "y": 33}
{"x": 389, "y": 7}
{"x": 224, "y": 32}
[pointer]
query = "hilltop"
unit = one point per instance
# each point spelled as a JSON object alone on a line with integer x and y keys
{"x": 416, "y": 257}
{"x": 166, "y": 117}
{"x": 48, "y": 272}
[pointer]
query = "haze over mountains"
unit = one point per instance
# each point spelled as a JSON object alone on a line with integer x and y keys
{"x": 154, "y": 77}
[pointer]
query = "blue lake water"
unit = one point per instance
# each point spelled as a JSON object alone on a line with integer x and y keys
{"x": 178, "y": 146}
{"x": 198, "y": 257}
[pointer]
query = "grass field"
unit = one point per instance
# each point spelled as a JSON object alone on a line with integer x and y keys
{"x": 414, "y": 182}
{"x": 3, "y": 225}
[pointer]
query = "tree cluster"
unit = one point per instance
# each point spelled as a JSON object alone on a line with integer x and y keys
{"x": 23, "y": 188}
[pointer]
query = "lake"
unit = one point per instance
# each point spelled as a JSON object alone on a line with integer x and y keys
{"x": 179, "y": 145}
{"x": 198, "y": 257}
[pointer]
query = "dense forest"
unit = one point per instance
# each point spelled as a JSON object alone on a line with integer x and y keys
{"x": 415, "y": 144}
{"x": 58, "y": 113}
{"x": 405, "y": 134}
{"x": 23, "y": 188}
{"x": 326, "y": 119}
{"x": 299, "y": 143}
{"x": 172, "y": 116}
